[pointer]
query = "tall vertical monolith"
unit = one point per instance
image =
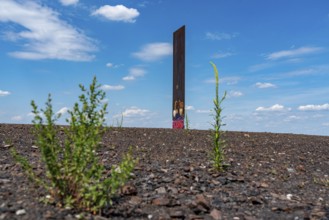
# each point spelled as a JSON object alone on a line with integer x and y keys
{"x": 178, "y": 109}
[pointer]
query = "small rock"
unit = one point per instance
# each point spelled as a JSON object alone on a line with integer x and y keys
{"x": 135, "y": 200}
{"x": 7, "y": 145}
{"x": 289, "y": 196}
{"x": 129, "y": 190}
{"x": 167, "y": 180}
{"x": 263, "y": 185}
{"x": 4, "y": 181}
{"x": 301, "y": 168}
{"x": 201, "y": 200}
{"x": 69, "y": 217}
{"x": 164, "y": 170}
{"x": 215, "y": 182}
{"x": 35, "y": 147}
{"x": 256, "y": 201}
{"x": 161, "y": 190}
{"x": 186, "y": 169}
{"x": 173, "y": 190}
{"x": 98, "y": 217}
{"x": 161, "y": 201}
{"x": 21, "y": 212}
{"x": 216, "y": 214}
{"x": 177, "y": 214}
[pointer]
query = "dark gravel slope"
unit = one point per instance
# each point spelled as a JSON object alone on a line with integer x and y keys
{"x": 272, "y": 176}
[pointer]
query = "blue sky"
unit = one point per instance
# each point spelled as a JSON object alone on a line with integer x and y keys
{"x": 272, "y": 57}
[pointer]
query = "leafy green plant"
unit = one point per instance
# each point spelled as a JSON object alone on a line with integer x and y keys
{"x": 219, "y": 143}
{"x": 74, "y": 175}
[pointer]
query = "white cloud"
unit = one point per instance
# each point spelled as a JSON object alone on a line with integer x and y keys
{"x": 273, "y": 108}
{"x": 62, "y": 111}
{"x": 17, "y": 118}
{"x": 261, "y": 66}
{"x": 134, "y": 73}
{"x": 314, "y": 70}
{"x": 189, "y": 107}
{"x": 69, "y": 2}
{"x": 202, "y": 111}
{"x": 117, "y": 13}
{"x": 128, "y": 78}
{"x": 235, "y": 94}
{"x": 265, "y": 85}
{"x": 154, "y": 51}
{"x": 4, "y": 93}
{"x": 220, "y": 36}
{"x": 292, "y": 118}
{"x": 293, "y": 53}
{"x": 45, "y": 36}
{"x": 109, "y": 87}
{"x": 109, "y": 64}
{"x": 314, "y": 107}
{"x": 221, "y": 55}
{"x": 30, "y": 114}
{"x": 325, "y": 124}
{"x": 134, "y": 111}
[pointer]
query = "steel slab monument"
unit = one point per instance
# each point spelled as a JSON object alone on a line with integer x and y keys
{"x": 178, "y": 79}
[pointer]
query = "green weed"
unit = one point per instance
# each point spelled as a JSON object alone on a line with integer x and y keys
{"x": 187, "y": 122}
{"x": 217, "y": 153}
{"x": 120, "y": 122}
{"x": 74, "y": 175}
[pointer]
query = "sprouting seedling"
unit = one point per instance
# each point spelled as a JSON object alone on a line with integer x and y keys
{"x": 219, "y": 143}
{"x": 187, "y": 122}
{"x": 120, "y": 122}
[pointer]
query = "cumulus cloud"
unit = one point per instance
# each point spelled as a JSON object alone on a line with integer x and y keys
{"x": 220, "y": 36}
{"x": 134, "y": 111}
{"x": 293, "y": 53}
{"x": 62, "y": 111}
{"x": 68, "y": 2}
{"x": 235, "y": 94}
{"x": 292, "y": 118}
{"x": 134, "y": 73}
{"x": 189, "y": 107}
{"x": 273, "y": 108}
{"x": 109, "y": 87}
{"x": 45, "y": 36}
{"x": 314, "y": 107}
{"x": 4, "y": 93}
{"x": 202, "y": 111}
{"x": 109, "y": 64}
{"x": 117, "y": 13}
{"x": 154, "y": 51}
{"x": 265, "y": 85}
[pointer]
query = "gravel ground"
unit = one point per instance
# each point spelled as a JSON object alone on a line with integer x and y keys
{"x": 271, "y": 176}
